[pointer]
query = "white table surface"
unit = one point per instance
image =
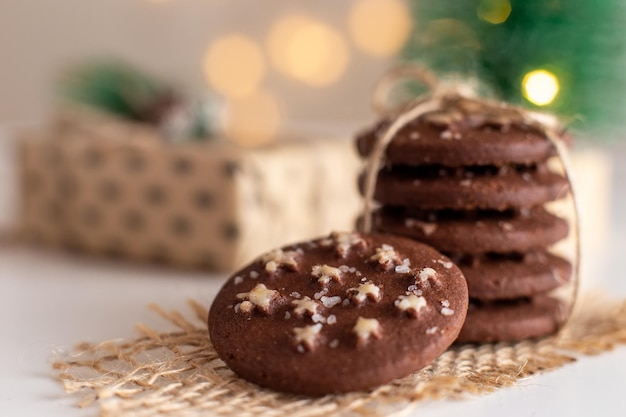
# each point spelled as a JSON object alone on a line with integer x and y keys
{"x": 50, "y": 301}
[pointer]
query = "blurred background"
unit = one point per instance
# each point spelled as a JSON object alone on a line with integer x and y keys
{"x": 287, "y": 60}
{"x": 291, "y": 64}
{"x": 254, "y": 71}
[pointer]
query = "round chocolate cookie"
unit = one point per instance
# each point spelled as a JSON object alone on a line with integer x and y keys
{"x": 476, "y": 232}
{"x": 506, "y": 190}
{"x": 342, "y": 313}
{"x": 509, "y": 321}
{"x": 513, "y": 276}
{"x": 462, "y": 144}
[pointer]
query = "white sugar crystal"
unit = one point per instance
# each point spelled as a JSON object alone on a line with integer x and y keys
{"x": 317, "y": 295}
{"x": 405, "y": 268}
{"x": 333, "y": 344}
{"x": 344, "y": 268}
{"x": 432, "y": 330}
{"x": 295, "y": 294}
{"x": 330, "y": 302}
{"x": 238, "y": 280}
{"x": 318, "y": 318}
{"x": 345, "y": 302}
{"x": 506, "y": 226}
{"x": 414, "y": 135}
{"x": 332, "y": 319}
{"x": 300, "y": 349}
{"x": 426, "y": 228}
{"x": 446, "y": 264}
{"x": 427, "y": 273}
{"x": 254, "y": 274}
{"x": 446, "y": 134}
{"x": 447, "y": 311}
{"x": 416, "y": 291}
{"x": 287, "y": 315}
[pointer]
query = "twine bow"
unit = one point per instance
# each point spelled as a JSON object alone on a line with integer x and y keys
{"x": 461, "y": 98}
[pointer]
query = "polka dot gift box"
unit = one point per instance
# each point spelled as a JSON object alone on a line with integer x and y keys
{"x": 108, "y": 187}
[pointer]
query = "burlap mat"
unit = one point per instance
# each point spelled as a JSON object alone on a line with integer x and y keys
{"x": 178, "y": 373}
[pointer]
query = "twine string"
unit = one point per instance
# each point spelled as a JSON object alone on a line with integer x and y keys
{"x": 376, "y": 159}
{"x": 386, "y": 84}
{"x": 447, "y": 96}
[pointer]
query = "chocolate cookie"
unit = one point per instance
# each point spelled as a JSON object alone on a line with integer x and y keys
{"x": 462, "y": 144}
{"x": 477, "y": 231}
{"x": 508, "y": 321}
{"x": 342, "y": 313}
{"x": 510, "y": 189}
{"x": 494, "y": 277}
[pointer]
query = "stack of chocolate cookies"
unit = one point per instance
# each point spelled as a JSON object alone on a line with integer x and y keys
{"x": 474, "y": 186}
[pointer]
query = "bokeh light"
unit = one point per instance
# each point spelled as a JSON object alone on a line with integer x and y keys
{"x": 494, "y": 11}
{"x": 540, "y": 87}
{"x": 380, "y": 27}
{"x": 307, "y": 50}
{"x": 252, "y": 120}
{"x": 234, "y": 66}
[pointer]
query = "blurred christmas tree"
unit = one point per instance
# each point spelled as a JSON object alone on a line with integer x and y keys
{"x": 567, "y": 56}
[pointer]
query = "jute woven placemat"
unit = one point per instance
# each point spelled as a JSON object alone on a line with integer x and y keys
{"x": 178, "y": 373}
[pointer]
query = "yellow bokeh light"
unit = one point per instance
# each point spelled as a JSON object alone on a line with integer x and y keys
{"x": 252, "y": 120}
{"x": 307, "y": 50}
{"x": 494, "y": 11}
{"x": 540, "y": 87}
{"x": 380, "y": 27}
{"x": 234, "y": 66}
